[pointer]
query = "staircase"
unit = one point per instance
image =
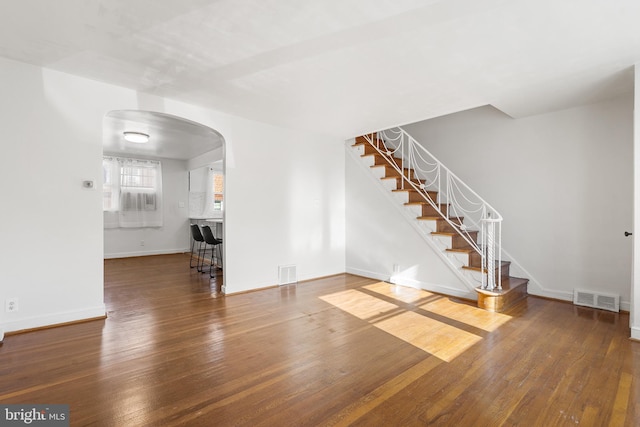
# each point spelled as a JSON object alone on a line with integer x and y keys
{"x": 453, "y": 217}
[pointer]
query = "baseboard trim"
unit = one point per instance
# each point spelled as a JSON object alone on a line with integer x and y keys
{"x": 54, "y": 320}
{"x": 434, "y": 287}
{"x": 56, "y": 325}
{"x": 145, "y": 253}
{"x": 368, "y": 274}
{"x": 248, "y": 291}
{"x": 625, "y": 306}
{"x": 417, "y": 284}
{"x": 635, "y": 333}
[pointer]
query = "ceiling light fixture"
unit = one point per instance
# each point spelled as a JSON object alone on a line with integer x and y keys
{"x": 137, "y": 137}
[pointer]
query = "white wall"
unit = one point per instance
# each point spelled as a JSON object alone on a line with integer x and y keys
{"x": 213, "y": 156}
{"x": 563, "y": 183}
{"x": 284, "y": 195}
{"x": 284, "y": 199}
{"x": 173, "y": 236}
{"x": 378, "y": 236}
{"x": 635, "y": 288}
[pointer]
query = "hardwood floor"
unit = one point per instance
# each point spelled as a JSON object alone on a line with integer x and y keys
{"x": 342, "y": 350}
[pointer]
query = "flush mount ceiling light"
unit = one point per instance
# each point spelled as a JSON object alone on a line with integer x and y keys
{"x": 137, "y": 137}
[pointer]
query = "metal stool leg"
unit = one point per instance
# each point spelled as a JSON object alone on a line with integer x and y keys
{"x": 193, "y": 246}
{"x": 201, "y": 257}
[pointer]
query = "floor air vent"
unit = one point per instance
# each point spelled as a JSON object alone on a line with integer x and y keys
{"x": 596, "y": 300}
{"x": 287, "y": 274}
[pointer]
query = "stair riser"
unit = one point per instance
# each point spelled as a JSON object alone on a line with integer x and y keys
{"x": 362, "y": 140}
{"x": 458, "y": 241}
{"x": 368, "y": 148}
{"x": 390, "y": 171}
{"x": 428, "y": 210}
{"x": 445, "y": 227}
{"x": 379, "y": 159}
{"x": 476, "y": 277}
{"x": 415, "y": 196}
{"x": 475, "y": 259}
{"x": 399, "y": 182}
{"x": 411, "y": 196}
{"x": 454, "y": 242}
{"x": 502, "y": 271}
{"x": 409, "y": 173}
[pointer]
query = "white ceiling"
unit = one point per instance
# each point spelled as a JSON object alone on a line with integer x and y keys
{"x": 340, "y": 67}
{"x": 169, "y": 136}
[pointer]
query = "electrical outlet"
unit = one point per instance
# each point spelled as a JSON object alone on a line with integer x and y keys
{"x": 141, "y": 242}
{"x": 11, "y": 305}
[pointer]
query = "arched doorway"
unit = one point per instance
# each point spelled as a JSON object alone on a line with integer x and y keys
{"x": 180, "y": 146}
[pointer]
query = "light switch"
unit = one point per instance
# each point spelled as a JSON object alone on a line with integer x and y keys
{"x": 181, "y": 204}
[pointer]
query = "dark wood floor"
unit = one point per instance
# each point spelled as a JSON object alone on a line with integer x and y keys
{"x": 336, "y": 351}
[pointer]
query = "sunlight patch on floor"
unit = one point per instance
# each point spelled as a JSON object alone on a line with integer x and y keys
{"x": 359, "y": 304}
{"x": 400, "y": 293}
{"x": 474, "y": 316}
{"x": 444, "y": 341}
{"x": 439, "y": 338}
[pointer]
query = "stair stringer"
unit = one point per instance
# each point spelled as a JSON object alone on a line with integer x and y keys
{"x": 438, "y": 248}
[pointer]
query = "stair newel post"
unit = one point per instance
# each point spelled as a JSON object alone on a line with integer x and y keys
{"x": 499, "y": 250}
{"x": 491, "y": 258}
{"x": 483, "y": 248}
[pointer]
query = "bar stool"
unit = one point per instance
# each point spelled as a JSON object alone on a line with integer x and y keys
{"x": 209, "y": 239}
{"x": 196, "y": 235}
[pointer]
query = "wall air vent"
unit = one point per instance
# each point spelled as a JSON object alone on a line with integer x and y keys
{"x": 287, "y": 274}
{"x": 596, "y": 300}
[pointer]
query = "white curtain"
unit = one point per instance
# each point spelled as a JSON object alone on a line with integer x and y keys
{"x": 132, "y": 192}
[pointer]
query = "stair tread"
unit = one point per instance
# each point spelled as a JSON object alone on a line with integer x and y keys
{"x": 415, "y": 181}
{"x": 466, "y": 250}
{"x": 478, "y": 268}
{"x": 458, "y": 219}
{"x": 423, "y": 203}
{"x": 509, "y": 284}
{"x": 384, "y": 156}
{"x": 451, "y": 233}
{"x": 413, "y": 190}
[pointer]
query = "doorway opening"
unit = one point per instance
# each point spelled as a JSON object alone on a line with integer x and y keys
{"x": 152, "y": 178}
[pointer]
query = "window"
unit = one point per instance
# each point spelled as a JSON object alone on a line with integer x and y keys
{"x": 132, "y": 192}
{"x": 218, "y": 191}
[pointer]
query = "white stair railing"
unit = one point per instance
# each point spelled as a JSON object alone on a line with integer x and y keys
{"x": 456, "y": 202}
